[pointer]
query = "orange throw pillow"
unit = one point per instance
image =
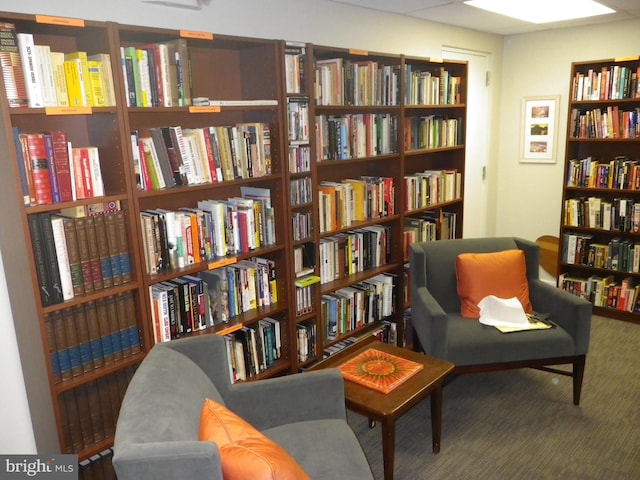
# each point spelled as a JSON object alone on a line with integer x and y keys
{"x": 503, "y": 274}
{"x": 244, "y": 451}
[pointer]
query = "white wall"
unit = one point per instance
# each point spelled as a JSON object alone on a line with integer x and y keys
{"x": 16, "y": 434}
{"x": 529, "y": 196}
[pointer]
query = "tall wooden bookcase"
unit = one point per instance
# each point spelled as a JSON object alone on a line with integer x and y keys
{"x": 403, "y": 149}
{"x": 600, "y": 247}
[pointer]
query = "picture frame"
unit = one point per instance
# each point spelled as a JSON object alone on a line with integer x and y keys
{"x": 539, "y": 129}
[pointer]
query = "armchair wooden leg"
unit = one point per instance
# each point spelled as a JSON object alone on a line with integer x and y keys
{"x": 578, "y": 374}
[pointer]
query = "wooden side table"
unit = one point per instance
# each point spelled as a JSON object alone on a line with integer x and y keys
{"x": 386, "y": 408}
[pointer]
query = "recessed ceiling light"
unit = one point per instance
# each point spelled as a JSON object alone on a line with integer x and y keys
{"x": 543, "y": 11}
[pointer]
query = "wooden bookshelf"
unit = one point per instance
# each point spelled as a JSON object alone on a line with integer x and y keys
{"x": 599, "y": 242}
{"x": 272, "y": 97}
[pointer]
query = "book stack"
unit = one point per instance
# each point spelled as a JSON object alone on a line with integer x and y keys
{"x": 53, "y": 171}
{"x": 357, "y": 135}
{"x": 294, "y": 59}
{"x": 157, "y": 74}
{"x": 362, "y": 303}
{"x": 432, "y": 131}
{"x": 195, "y": 302}
{"x": 431, "y": 87}
{"x": 37, "y": 77}
{"x": 252, "y": 350}
{"x": 212, "y": 230}
{"x": 354, "y": 200}
{"x": 79, "y": 251}
{"x": 306, "y": 341}
{"x": 354, "y": 251}
{"x": 167, "y": 157}
{"x": 93, "y": 335}
{"x": 431, "y": 187}
{"x": 346, "y": 82}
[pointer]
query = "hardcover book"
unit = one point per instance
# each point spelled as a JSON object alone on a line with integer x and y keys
{"x": 379, "y": 370}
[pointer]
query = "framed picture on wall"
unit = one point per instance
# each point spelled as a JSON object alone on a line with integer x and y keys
{"x": 539, "y": 125}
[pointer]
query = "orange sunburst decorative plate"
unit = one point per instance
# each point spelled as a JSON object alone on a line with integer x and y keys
{"x": 379, "y": 370}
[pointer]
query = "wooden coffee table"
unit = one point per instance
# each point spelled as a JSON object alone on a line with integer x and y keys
{"x": 388, "y": 407}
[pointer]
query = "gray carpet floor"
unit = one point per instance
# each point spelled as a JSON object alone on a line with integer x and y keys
{"x": 522, "y": 424}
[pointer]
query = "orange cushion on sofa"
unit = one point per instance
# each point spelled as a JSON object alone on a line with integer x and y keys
{"x": 244, "y": 451}
{"x": 503, "y": 274}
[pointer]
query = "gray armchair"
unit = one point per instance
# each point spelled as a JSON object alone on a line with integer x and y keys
{"x": 443, "y": 333}
{"x": 157, "y": 429}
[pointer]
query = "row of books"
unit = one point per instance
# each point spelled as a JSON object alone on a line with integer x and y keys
{"x": 306, "y": 341}
{"x": 157, "y": 74}
{"x": 305, "y": 293}
{"x": 301, "y": 225}
{"x": 437, "y": 87}
{"x": 618, "y": 214}
{"x": 211, "y": 230}
{"x": 427, "y": 227}
{"x": 298, "y": 119}
{"x": 604, "y": 291}
{"x": 622, "y": 172}
{"x": 610, "y": 83}
{"x": 354, "y": 200}
{"x": 166, "y": 157}
{"x": 431, "y": 187}
{"x": 196, "y": 302}
{"x": 599, "y": 123}
{"x": 355, "y": 135}
{"x": 90, "y": 411}
{"x": 52, "y": 170}
{"x": 300, "y": 191}
{"x": 78, "y": 254}
{"x": 355, "y": 251}
{"x": 339, "y": 81}
{"x": 253, "y": 349}
{"x": 294, "y": 68}
{"x": 299, "y": 158}
{"x": 432, "y": 131}
{"x": 362, "y": 303}
{"x": 616, "y": 254}
{"x": 37, "y": 77}
{"x": 92, "y": 335}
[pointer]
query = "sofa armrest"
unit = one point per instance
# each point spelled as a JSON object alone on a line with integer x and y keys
{"x": 429, "y": 321}
{"x": 569, "y": 311}
{"x": 277, "y": 401}
{"x": 167, "y": 460}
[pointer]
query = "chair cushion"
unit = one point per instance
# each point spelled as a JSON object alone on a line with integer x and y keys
{"x": 244, "y": 451}
{"x": 503, "y": 274}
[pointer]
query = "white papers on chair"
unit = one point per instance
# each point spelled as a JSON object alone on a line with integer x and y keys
{"x": 502, "y": 312}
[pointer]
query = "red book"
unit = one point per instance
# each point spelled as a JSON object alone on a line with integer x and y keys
{"x": 39, "y": 168}
{"x": 379, "y": 370}
{"x": 62, "y": 167}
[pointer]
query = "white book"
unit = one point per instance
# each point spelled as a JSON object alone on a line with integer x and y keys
{"x": 96, "y": 172}
{"x": 43, "y": 58}
{"x": 62, "y": 255}
{"x": 30, "y": 70}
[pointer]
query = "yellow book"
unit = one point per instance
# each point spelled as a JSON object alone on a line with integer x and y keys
{"x": 107, "y": 75}
{"x": 81, "y": 58}
{"x": 75, "y": 85}
{"x": 59, "y": 80}
{"x": 96, "y": 84}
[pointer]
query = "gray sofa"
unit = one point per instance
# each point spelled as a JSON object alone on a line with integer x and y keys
{"x": 157, "y": 429}
{"x": 443, "y": 333}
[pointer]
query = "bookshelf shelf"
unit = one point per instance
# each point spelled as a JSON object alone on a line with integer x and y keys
{"x": 599, "y": 247}
{"x": 252, "y": 159}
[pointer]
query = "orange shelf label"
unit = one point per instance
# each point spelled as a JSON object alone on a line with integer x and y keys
{"x": 68, "y": 110}
{"x": 355, "y": 51}
{"x": 435, "y": 60}
{"x": 626, "y": 59}
{"x": 205, "y": 109}
{"x": 198, "y": 35}
{"x": 230, "y": 329}
{"x": 221, "y": 263}
{"x": 73, "y": 22}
